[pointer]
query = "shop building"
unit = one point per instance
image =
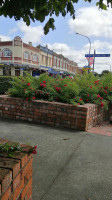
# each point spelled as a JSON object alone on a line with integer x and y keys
{"x": 17, "y": 57}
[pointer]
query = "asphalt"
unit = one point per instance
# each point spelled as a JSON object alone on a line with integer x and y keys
{"x": 69, "y": 165}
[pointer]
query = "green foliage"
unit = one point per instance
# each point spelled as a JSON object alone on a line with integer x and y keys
{"x": 5, "y": 84}
{"x": 40, "y": 9}
{"x": 11, "y": 149}
{"x": 85, "y": 88}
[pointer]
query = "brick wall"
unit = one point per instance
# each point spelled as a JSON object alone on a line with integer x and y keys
{"x": 54, "y": 114}
{"x": 16, "y": 176}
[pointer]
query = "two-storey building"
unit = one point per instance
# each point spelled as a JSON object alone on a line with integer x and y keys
{"x": 17, "y": 57}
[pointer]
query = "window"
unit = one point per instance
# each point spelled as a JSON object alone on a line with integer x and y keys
{"x": 35, "y": 58}
{"x": 6, "y": 71}
{"x": 17, "y": 71}
{"x": 26, "y": 55}
{"x": 7, "y": 53}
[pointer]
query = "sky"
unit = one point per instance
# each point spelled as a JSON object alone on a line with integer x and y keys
{"x": 90, "y": 21}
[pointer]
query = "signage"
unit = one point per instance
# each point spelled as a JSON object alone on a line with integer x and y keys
{"x": 87, "y": 67}
{"x": 97, "y": 55}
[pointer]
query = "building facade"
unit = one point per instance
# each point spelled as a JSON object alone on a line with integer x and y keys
{"x": 16, "y": 57}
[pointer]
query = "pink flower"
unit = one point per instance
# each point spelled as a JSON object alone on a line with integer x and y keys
{"x": 44, "y": 81}
{"x": 78, "y": 103}
{"x": 80, "y": 99}
{"x": 28, "y": 84}
{"x": 98, "y": 96}
{"x": 33, "y": 97}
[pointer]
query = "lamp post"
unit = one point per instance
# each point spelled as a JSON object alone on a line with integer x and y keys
{"x": 89, "y": 46}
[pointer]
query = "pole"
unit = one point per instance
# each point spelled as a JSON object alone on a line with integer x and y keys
{"x": 94, "y": 60}
{"x": 89, "y": 46}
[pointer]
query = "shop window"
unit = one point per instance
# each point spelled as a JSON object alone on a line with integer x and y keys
{"x": 6, "y": 71}
{"x": 17, "y": 71}
{"x": 7, "y": 53}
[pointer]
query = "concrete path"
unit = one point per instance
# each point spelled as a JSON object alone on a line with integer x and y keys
{"x": 69, "y": 165}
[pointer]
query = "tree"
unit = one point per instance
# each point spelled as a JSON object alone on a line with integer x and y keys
{"x": 105, "y": 72}
{"x": 39, "y": 9}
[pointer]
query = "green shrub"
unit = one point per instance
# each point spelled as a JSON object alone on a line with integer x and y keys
{"x": 85, "y": 88}
{"x": 5, "y": 84}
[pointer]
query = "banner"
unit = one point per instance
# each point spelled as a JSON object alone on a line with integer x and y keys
{"x": 90, "y": 60}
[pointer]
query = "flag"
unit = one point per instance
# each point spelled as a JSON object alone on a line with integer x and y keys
{"x": 90, "y": 60}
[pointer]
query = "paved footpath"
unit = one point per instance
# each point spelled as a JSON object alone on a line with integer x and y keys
{"x": 70, "y": 165}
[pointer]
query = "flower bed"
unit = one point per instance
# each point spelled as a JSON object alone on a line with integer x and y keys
{"x": 55, "y": 114}
{"x": 77, "y": 103}
{"x": 15, "y": 173}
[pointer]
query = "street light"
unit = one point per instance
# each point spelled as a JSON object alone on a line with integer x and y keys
{"x": 89, "y": 47}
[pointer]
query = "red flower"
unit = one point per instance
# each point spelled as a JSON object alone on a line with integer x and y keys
{"x": 58, "y": 89}
{"x": 34, "y": 151}
{"x": 35, "y": 147}
{"x": 42, "y": 85}
{"x": 74, "y": 97}
{"x": 88, "y": 95}
{"x": 24, "y": 89}
{"x": 90, "y": 86}
{"x": 105, "y": 91}
{"x": 44, "y": 81}
{"x": 102, "y": 104}
{"x": 78, "y": 103}
{"x": 31, "y": 88}
{"x": 101, "y": 87}
{"x": 28, "y": 84}
{"x": 65, "y": 85}
{"x": 80, "y": 99}
{"x": 26, "y": 98}
{"x": 87, "y": 99}
{"x": 33, "y": 97}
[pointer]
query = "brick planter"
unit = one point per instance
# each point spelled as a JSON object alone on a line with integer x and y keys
{"x": 52, "y": 113}
{"x": 16, "y": 176}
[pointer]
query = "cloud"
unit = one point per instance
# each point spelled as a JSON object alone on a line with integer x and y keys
{"x": 5, "y": 38}
{"x": 92, "y": 22}
{"x": 13, "y": 30}
{"x": 31, "y": 33}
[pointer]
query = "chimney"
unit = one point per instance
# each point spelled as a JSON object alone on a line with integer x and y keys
{"x": 30, "y": 43}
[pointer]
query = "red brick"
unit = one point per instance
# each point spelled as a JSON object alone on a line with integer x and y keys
{"x": 16, "y": 181}
{"x": 27, "y": 167}
{"x": 6, "y": 194}
{"x": 10, "y": 163}
{"x": 0, "y": 189}
{"x": 5, "y": 179}
{"x": 26, "y": 188}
